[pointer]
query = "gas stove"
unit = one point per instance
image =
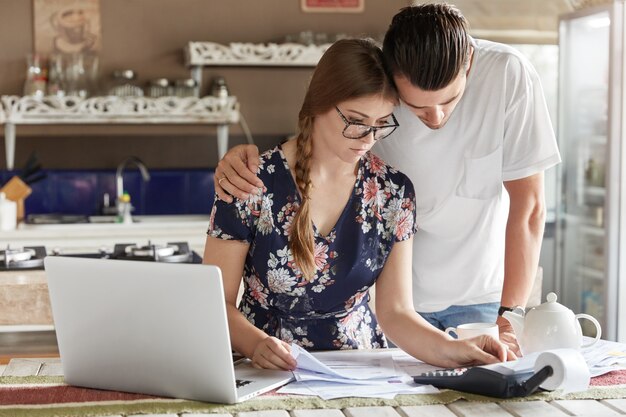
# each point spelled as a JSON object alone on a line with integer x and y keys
{"x": 31, "y": 258}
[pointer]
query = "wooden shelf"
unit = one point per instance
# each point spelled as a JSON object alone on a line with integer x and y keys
{"x": 199, "y": 54}
{"x": 30, "y": 110}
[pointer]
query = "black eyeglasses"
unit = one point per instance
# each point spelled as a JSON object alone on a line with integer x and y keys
{"x": 354, "y": 130}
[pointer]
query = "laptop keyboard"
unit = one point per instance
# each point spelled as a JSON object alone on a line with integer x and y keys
{"x": 242, "y": 383}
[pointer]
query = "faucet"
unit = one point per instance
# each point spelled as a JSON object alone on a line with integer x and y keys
{"x": 119, "y": 174}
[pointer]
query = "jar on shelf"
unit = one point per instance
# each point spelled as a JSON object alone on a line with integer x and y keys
{"x": 186, "y": 87}
{"x": 219, "y": 89}
{"x": 36, "y": 78}
{"x": 124, "y": 85}
{"x": 160, "y": 87}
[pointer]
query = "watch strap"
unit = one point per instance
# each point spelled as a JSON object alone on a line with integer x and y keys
{"x": 502, "y": 309}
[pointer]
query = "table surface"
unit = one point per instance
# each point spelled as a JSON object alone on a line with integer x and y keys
{"x": 462, "y": 408}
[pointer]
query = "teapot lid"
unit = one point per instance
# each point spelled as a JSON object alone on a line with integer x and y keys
{"x": 551, "y": 304}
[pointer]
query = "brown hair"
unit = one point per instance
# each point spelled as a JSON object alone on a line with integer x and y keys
{"x": 349, "y": 69}
{"x": 428, "y": 44}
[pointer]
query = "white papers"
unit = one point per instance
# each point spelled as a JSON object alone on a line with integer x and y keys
{"x": 572, "y": 370}
{"x": 350, "y": 374}
{"x": 604, "y": 356}
{"x": 329, "y": 390}
{"x": 388, "y": 372}
{"x": 342, "y": 366}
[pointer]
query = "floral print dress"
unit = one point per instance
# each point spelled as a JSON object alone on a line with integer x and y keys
{"x": 330, "y": 311}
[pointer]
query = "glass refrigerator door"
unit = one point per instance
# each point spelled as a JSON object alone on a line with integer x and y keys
{"x": 584, "y": 144}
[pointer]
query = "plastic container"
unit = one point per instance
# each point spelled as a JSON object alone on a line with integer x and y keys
{"x": 124, "y": 209}
{"x": 8, "y": 213}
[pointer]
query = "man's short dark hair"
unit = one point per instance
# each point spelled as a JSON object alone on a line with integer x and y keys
{"x": 428, "y": 44}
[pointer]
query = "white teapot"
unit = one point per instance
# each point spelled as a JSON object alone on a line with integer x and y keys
{"x": 549, "y": 326}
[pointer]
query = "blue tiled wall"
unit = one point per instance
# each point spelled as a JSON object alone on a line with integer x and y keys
{"x": 81, "y": 191}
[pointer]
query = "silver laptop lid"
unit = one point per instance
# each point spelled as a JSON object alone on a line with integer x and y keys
{"x": 144, "y": 327}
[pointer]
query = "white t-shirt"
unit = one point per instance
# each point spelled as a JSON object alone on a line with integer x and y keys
{"x": 499, "y": 131}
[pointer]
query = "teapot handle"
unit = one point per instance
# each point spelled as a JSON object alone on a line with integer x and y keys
{"x": 595, "y": 322}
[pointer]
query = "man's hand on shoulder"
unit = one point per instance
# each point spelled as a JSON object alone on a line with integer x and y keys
{"x": 235, "y": 174}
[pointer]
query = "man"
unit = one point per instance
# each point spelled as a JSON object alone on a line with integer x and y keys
{"x": 473, "y": 122}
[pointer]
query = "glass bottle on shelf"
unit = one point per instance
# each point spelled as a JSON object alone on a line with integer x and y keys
{"x": 219, "y": 89}
{"x": 77, "y": 84}
{"x": 56, "y": 76}
{"x": 35, "y": 84}
{"x": 91, "y": 64}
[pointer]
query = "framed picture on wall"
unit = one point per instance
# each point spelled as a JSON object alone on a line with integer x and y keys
{"x": 338, "y": 6}
{"x": 67, "y": 26}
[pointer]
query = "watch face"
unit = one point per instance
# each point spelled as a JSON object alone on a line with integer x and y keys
{"x": 519, "y": 310}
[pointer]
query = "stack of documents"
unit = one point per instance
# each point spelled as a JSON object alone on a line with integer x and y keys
{"x": 351, "y": 374}
{"x": 604, "y": 356}
{"x": 387, "y": 372}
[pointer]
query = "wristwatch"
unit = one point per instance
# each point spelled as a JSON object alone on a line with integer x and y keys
{"x": 516, "y": 309}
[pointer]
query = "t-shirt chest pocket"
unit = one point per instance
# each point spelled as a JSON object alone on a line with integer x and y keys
{"x": 482, "y": 177}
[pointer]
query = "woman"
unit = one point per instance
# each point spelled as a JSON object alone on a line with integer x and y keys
{"x": 331, "y": 220}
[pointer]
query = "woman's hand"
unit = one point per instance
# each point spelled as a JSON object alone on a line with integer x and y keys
{"x": 272, "y": 353}
{"x": 235, "y": 174}
{"x": 477, "y": 351}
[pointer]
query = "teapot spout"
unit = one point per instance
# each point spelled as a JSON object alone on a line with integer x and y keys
{"x": 517, "y": 321}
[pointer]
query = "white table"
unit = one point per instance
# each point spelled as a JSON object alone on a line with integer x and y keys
{"x": 559, "y": 408}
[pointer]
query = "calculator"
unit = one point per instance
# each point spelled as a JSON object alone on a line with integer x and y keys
{"x": 483, "y": 381}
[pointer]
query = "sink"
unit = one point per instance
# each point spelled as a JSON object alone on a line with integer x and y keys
{"x": 172, "y": 218}
{"x": 103, "y": 219}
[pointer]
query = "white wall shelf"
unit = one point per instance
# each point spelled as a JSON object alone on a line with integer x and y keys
{"x": 15, "y": 110}
{"x": 253, "y": 54}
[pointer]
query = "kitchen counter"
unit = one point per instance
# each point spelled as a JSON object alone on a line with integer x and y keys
{"x": 24, "y": 296}
{"x": 72, "y": 238}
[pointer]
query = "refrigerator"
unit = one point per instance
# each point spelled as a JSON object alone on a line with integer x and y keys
{"x": 590, "y": 235}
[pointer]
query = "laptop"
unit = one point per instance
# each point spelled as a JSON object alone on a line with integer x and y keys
{"x": 149, "y": 327}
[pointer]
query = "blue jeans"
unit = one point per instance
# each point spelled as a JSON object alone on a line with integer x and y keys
{"x": 455, "y": 315}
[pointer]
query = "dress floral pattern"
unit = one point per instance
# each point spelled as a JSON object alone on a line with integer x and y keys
{"x": 331, "y": 310}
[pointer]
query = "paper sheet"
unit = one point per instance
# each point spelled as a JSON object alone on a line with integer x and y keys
{"x": 356, "y": 373}
{"x": 329, "y": 390}
{"x": 360, "y": 365}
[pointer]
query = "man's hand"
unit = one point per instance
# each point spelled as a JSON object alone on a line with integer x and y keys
{"x": 235, "y": 175}
{"x": 477, "y": 350}
{"x": 507, "y": 336}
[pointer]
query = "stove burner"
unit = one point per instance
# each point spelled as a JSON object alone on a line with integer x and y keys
{"x": 151, "y": 250}
{"x": 25, "y": 258}
{"x": 176, "y": 252}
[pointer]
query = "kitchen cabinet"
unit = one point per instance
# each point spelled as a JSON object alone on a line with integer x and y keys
{"x": 14, "y": 110}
